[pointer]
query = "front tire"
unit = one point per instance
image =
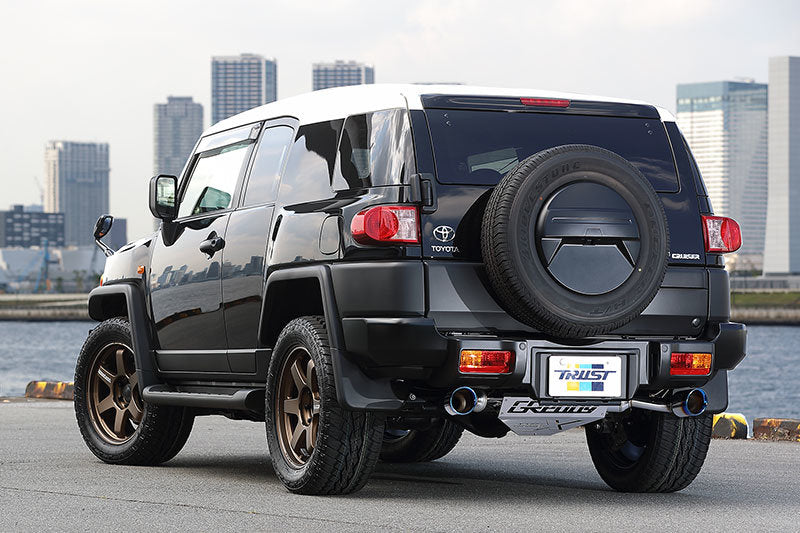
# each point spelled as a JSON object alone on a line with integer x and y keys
{"x": 316, "y": 446}
{"x": 116, "y": 424}
{"x": 645, "y": 451}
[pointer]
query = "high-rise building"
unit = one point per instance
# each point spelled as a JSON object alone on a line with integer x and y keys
{"x": 176, "y": 127}
{"x": 19, "y": 227}
{"x": 782, "y": 251}
{"x": 725, "y": 124}
{"x": 77, "y": 185}
{"x": 242, "y": 82}
{"x": 342, "y": 73}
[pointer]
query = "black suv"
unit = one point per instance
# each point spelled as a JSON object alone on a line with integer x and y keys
{"x": 372, "y": 270}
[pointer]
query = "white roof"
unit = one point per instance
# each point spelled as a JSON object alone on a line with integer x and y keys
{"x": 340, "y": 102}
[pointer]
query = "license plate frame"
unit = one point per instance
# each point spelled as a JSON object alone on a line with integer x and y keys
{"x": 582, "y": 376}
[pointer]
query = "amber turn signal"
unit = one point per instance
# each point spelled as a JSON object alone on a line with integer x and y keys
{"x": 486, "y": 362}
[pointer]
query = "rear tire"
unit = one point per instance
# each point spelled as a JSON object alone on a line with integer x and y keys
{"x": 421, "y": 445}
{"x": 650, "y": 452}
{"x": 116, "y": 424}
{"x": 316, "y": 445}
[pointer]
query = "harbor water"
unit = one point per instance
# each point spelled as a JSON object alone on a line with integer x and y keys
{"x": 764, "y": 384}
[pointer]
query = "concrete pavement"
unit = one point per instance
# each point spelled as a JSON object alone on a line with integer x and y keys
{"x": 223, "y": 481}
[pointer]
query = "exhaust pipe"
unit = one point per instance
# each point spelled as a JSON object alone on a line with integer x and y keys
{"x": 464, "y": 400}
{"x": 691, "y": 403}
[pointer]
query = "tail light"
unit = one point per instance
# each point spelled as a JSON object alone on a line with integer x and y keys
{"x": 386, "y": 224}
{"x": 486, "y": 362}
{"x": 721, "y": 234}
{"x": 544, "y": 102}
{"x": 690, "y": 364}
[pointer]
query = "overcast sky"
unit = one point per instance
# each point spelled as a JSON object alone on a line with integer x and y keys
{"x": 92, "y": 70}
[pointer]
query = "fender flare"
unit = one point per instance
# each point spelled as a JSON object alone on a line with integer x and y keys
{"x": 354, "y": 389}
{"x": 136, "y": 312}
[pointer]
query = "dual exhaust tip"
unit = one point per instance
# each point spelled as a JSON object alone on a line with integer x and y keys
{"x": 466, "y": 400}
{"x": 693, "y": 403}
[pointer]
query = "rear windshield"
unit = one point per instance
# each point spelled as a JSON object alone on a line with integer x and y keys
{"x": 479, "y": 147}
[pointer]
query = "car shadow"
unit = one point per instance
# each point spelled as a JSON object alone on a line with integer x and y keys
{"x": 447, "y": 480}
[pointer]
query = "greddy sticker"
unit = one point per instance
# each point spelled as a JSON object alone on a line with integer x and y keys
{"x": 524, "y": 416}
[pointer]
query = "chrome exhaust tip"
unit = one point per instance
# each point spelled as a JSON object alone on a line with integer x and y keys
{"x": 694, "y": 403}
{"x": 464, "y": 400}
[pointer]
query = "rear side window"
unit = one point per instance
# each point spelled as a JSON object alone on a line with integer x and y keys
{"x": 312, "y": 158}
{"x": 262, "y": 185}
{"x": 479, "y": 147}
{"x": 375, "y": 150}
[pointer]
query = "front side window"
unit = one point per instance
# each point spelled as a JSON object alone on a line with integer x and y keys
{"x": 262, "y": 185}
{"x": 375, "y": 149}
{"x": 213, "y": 180}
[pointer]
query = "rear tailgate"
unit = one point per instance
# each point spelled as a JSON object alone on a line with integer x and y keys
{"x": 466, "y": 145}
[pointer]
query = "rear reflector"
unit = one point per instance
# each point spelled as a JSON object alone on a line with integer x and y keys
{"x": 386, "y": 224}
{"x": 486, "y": 362}
{"x": 690, "y": 364}
{"x": 544, "y": 102}
{"x": 721, "y": 234}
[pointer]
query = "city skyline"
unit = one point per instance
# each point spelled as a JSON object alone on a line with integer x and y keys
{"x": 67, "y": 96}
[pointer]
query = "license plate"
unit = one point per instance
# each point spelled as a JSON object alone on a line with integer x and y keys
{"x": 585, "y": 376}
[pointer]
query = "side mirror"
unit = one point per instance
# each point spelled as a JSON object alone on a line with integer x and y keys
{"x": 162, "y": 197}
{"x": 103, "y": 226}
{"x": 101, "y": 229}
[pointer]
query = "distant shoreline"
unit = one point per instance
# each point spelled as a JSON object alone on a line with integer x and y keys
{"x": 74, "y": 307}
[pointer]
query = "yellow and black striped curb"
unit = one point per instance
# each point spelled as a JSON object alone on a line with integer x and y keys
{"x": 776, "y": 429}
{"x": 730, "y": 426}
{"x": 53, "y": 390}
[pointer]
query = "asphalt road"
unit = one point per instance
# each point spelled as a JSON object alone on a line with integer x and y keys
{"x": 223, "y": 481}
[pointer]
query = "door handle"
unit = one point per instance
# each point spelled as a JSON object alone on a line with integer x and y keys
{"x": 212, "y": 245}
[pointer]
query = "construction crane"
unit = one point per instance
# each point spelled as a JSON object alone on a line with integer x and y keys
{"x": 41, "y": 190}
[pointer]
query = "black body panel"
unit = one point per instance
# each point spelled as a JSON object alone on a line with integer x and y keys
{"x": 243, "y": 272}
{"x": 185, "y": 286}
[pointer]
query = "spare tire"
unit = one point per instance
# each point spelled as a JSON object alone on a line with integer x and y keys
{"x": 575, "y": 241}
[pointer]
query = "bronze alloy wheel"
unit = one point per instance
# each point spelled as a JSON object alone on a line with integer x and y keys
{"x": 297, "y": 407}
{"x": 115, "y": 403}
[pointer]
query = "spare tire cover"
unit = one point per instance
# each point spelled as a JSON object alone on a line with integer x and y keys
{"x": 575, "y": 241}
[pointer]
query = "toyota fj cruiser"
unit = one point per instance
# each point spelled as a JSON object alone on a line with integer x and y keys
{"x": 372, "y": 270}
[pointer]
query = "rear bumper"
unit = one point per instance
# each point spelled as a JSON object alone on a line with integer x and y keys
{"x": 414, "y": 350}
{"x": 413, "y": 326}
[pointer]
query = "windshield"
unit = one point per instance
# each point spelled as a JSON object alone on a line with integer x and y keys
{"x": 479, "y": 147}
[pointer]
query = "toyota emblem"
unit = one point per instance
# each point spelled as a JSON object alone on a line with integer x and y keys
{"x": 444, "y": 233}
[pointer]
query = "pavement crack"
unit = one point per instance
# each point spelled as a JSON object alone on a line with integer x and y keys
{"x": 200, "y": 507}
